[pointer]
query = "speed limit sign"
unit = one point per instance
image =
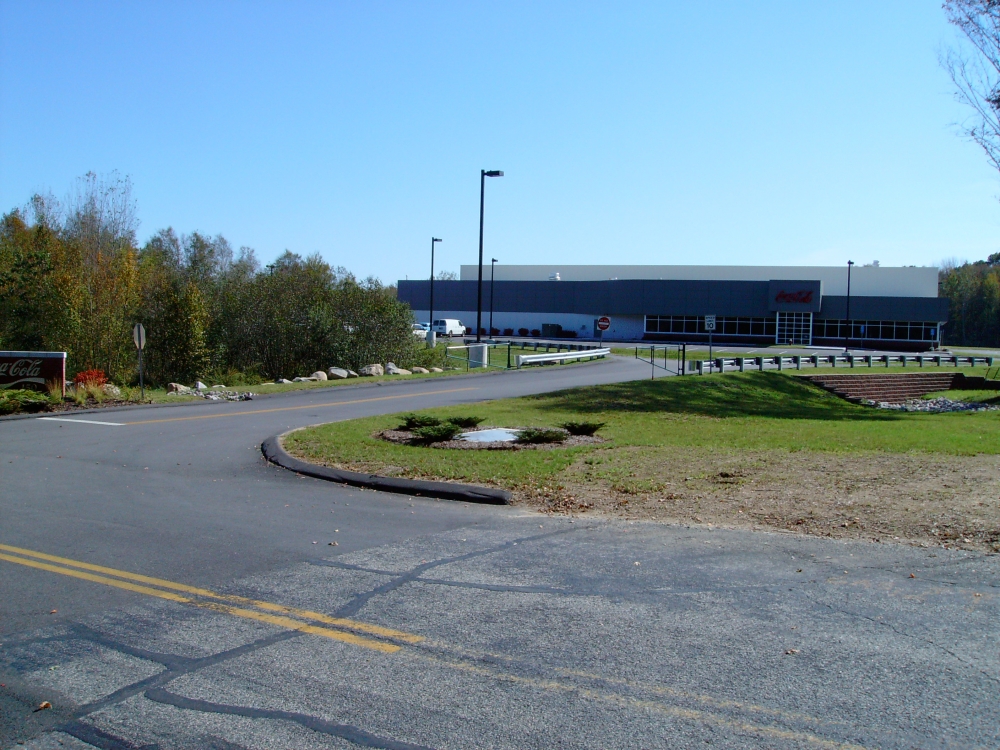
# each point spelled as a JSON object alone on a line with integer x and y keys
{"x": 710, "y": 323}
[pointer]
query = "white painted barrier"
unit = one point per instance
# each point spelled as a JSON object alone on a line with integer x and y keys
{"x": 532, "y": 359}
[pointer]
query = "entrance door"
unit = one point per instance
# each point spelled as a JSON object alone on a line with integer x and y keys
{"x": 794, "y": 328}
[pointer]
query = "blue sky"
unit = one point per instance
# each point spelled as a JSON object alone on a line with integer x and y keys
{"x": 667, "y": 132}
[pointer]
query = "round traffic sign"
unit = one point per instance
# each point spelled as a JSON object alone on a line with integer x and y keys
{"x": 603, "y": 323}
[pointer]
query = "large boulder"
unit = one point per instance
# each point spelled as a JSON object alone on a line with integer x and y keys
{"x": 436, "y": 369}
{"x": 391, "y": 369}
{"x": 177, "y": 388}
{"x": 421, "y": 370}
{"x": 337, "y": 373}
{"x": 352, "y": 374}
{"x": 199, "y": 386}
{"x": 282, "y": 381}
{"x": 371, "y": 370}
{"x": 310, "y": 379}
{"x": 319, "y": 375}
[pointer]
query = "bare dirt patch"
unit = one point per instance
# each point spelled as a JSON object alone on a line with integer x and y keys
{"x": 924, "y": 498}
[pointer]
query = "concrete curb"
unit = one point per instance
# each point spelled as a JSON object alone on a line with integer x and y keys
{"x": 273, "y": 452}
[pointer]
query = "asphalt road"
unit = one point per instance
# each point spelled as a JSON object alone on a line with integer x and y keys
{"x": 163, "y": 587}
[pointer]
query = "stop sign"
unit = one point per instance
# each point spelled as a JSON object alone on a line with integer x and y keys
{"x": 603, "y": 323}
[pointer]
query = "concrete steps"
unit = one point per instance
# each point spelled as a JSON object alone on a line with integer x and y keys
{"x": 893, "y": 389}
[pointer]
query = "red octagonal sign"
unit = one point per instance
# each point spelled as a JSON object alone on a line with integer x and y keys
{"x": 603, "y": 323}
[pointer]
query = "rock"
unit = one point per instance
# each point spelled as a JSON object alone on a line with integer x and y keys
{"x": 218, "y": 386}
{"x": 352, "y": 374}
{"x": 336, "y": 373}
{"x": 372, "y": 370}
{"x": 421, "y": 370}
{"x": 177, "y": 388}
{"x": 199, "y": 386}
{"x": 112, "y": 390}
{"x": 934, "y": 405}
{"x": 318, "y": 375}
{"x": 282, "y": 381}
{"x": 304, "y": 380}
{"x": 391, "y": 369}
{"x": 436, "y": 369}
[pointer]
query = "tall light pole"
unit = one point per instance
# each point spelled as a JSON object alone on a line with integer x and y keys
{"x": 430, "y": 321}
{"x": 493, "y": 262}
{"x": 483, "y": 174}
{"x": 847, "y": 331}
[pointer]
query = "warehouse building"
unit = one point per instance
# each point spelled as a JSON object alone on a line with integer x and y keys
{"x": 896, "y": 308}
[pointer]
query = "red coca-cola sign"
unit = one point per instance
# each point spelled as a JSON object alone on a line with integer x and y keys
{"x": 33, "y": 370}
{"x": 799, "y": 297}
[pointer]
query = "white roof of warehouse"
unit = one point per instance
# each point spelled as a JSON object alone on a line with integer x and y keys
{"x": 866, "y": 281}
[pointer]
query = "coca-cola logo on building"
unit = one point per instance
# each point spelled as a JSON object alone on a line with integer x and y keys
{"x": 21, "y": 368}
{"x": 801, "y": 297}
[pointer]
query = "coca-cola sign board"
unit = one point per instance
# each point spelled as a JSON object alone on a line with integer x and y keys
{"x": 795, "y": 296}
{"x": 33, "y": 370}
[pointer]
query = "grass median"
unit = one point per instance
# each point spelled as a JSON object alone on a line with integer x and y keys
{"x": 759, "y": 449}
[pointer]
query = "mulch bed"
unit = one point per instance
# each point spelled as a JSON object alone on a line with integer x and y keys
{"x": 405, "y": 437}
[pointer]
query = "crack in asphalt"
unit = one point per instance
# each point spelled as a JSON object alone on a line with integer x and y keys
{"x": 358, "y": 602}
{"x": 175, "y": 666}
{"x": 344, "y": 731}
{"x": 903, "y": 633}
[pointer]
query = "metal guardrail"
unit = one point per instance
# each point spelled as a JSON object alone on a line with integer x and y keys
{"x": 498, "y": 355}
{"x": 532, "y": 359}
{"x": 741, "y": 364}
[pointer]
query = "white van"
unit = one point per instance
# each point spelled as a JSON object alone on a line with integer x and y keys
{"x": 448, "y": 327}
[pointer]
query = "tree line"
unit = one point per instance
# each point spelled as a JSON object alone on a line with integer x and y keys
{"x": 973, "y": 293}
{"x": 73, "y": 279}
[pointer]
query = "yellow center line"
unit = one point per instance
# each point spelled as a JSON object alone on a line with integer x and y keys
{"x": 285, "y": 622}
{"x": 679, "y": 712}
{"x": 163, "y": 583}
{"x": 296, "y": 408}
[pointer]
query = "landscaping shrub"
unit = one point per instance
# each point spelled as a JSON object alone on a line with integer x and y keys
{"x": 582, "y": 428}
{"x": 522, "y": 331}
{"x": 416, "y": 421}
{"x": 19, "y": 400}
{"x": 436, "y": 433}
{"x": 508, "y": 331}
{"x": 540, "y": 435}
{"x": 421, "y": 356}
{"x": 535, "y": 332}
{"x": 91, "y": 378}
{"x": 465, "y": 422}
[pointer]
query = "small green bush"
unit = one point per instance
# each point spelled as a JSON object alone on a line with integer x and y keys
{"x": 436, "y": 433}
{"x": 540, "y": 435}
{"x": 465, "y": 422}
{"x": 582, "y": 428}
{"x": 421, "y": 356}
{"x": 415, "y": 421}
{"x": 20, "y": 400}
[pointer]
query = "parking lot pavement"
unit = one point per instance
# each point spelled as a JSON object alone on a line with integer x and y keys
{"x": 516, "y": 631}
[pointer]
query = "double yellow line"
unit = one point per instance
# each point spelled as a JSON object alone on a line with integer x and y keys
{"x": 291, "y": 618}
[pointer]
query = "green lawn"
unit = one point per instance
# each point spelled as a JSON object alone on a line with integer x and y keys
{"x": 732, "y": 412}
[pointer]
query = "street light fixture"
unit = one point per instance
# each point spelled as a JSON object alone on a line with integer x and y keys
{"x": 483, "y": 174}
{"x": 847, "y": 329}
{"x": 430, "y": 321}
{"x": 493, "y": 262}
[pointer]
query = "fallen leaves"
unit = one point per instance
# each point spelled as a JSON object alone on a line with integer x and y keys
{"x": 44, "y": 705}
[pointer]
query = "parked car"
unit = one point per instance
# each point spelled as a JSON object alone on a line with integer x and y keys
{"x": 420, "y": 330}
{"x": 448, "y": 327}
